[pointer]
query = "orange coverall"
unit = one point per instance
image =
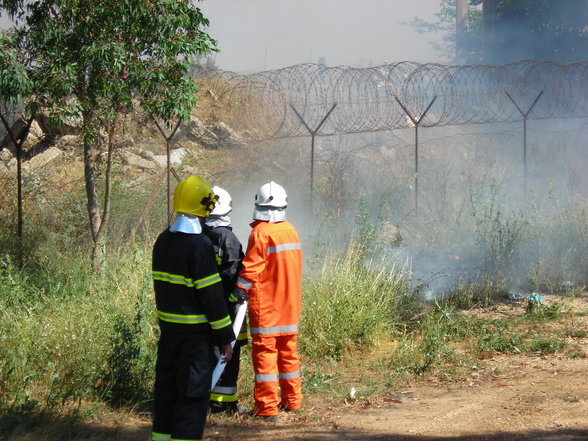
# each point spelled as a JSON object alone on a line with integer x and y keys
{"x": 272, "y": 277}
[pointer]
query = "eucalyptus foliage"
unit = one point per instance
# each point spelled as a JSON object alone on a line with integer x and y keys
{"x": 95, "y": 60}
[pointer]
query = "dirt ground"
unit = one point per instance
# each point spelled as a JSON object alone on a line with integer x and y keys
{"x": 519, "y": 397}
{"x": 532, "y": 399}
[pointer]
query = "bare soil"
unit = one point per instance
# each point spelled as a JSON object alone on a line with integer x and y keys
{"x": 519, "y": 397}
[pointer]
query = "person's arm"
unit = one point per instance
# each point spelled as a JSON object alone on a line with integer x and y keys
{"x": 254, "y": 262}
{"x": 231, "y": 261}
{"x": 209, "y": 289}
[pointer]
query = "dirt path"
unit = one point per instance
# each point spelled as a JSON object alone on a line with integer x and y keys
{"x": 543, "y": 399}
{"x": 511, "y": 398}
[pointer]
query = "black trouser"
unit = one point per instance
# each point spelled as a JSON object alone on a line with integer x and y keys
{"x": 182, "y": 384}
{"x": 224, "y": 394}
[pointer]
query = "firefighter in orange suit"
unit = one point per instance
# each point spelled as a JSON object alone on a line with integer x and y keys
{"x": 271, "y": 280}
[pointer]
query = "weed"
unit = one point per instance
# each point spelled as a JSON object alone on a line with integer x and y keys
{"x": 350, "y": 304}
{"x": 572, "y": 398}
{"x": 497, "y": 235}
{"x": 537, "y": 310}
{"x": 498, "y": 338}
{"x": 130, "y": 364}
{"x": 316, "y": 380}
{"x": 576, "y": 352}
{"x": 545, "y": 345}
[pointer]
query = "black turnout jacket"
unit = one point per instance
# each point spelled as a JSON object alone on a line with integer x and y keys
{"x": 188, "y": 289}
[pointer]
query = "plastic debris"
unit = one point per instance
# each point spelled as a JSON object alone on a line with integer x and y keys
{"x": 535, "y": 298}
{"x": 515, "y": 296}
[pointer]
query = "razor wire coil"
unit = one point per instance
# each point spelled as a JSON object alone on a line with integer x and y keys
{"x": 367, "y": 99}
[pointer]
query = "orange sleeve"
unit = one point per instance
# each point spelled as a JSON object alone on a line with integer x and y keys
{"x": 254, "y": 262}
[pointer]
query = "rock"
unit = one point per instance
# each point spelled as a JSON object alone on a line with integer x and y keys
{"x": 227, "y": 136}
{"x": 176, "y": 156}
{"x": 5, "y": 155}
{"x": 70, "y": 144}
{"x": 143, "y": 153}
{"x": 42, "y": 159}
{"x": 135, "y": 161}
{"x": 69, "y": 126}
{"x": 35, "y": 136}
{"x": 197, "y": 132}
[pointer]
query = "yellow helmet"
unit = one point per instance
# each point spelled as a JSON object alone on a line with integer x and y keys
{"x": 194, "y": 196}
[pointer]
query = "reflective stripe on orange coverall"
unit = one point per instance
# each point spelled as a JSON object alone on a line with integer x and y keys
{"x": 271, "y": 275}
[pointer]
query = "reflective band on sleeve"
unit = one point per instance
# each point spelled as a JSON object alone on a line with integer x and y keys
{"x": 207, "y": 281}
{"x": 176, "y": 279}
{"x": 283, "y": 247}
{"x": 244, "y": 283}
{"x": 222, "y": 323}
{"x": 289, "y": 375}
{"x": 185, "y": 319}
{"x": 242, "y": 336}
{"x": 275, "y": 329}
{"x": 266, "y": 377}
{"x": 160, "y": 436}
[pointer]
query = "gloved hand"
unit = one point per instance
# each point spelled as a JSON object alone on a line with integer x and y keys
{"x": 238, "y": 295}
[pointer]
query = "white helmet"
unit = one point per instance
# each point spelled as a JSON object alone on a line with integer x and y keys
{"x": 271, "y": 195}
{"x": 224, "y": 203}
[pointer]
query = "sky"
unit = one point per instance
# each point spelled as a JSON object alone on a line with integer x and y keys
{"x": 258, "y": 35}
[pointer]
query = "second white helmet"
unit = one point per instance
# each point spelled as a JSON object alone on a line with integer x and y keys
{"x": 224, "y": 203}
{"x": 271, "y": 195}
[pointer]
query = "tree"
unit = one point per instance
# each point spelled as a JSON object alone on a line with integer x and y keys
{"x": 470, "y": 38}
{"x": 15, "y": 84}
{"x": 547, "y": 30}
{"x": 503, "y": 31}
{"x": 94, "y": 59}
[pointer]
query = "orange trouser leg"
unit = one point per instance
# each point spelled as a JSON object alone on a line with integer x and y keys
{"x": 265, "y": 366}
{"x": 289, "y": 369}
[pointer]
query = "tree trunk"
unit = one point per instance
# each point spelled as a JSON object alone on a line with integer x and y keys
{"x": 461, "y": 25}
{"x": 489, "y": 31}
{"x": 91, "y": 195}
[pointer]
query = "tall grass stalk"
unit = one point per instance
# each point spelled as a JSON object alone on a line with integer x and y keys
{"x": 351, "y": 303}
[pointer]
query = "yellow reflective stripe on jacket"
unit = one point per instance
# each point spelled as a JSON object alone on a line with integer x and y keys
{"x": 193, "y": 319}
{"x": 184, "y": 319}
{"x": 219, "y": 324}
{"x": 178, "y": 279}
{"x": 207, "y": 281}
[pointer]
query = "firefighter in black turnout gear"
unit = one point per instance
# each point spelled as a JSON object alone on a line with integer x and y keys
{"x": 192, "y": 314}
{"x": 229, "y": 254}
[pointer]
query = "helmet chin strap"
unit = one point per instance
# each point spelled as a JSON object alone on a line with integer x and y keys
{"x": 186, "y": 223}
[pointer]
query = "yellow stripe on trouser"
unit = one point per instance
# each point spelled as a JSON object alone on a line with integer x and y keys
{"x": 222, "y": 398}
